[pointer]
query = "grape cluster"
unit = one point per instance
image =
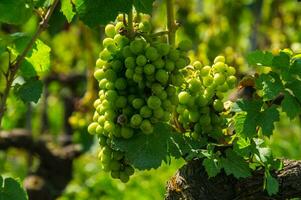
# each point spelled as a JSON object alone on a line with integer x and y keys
{"x": 201, "y": 101}
{"x": 137, "y": 79}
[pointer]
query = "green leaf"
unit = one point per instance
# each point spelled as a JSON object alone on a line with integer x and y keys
{"x": 15, "y": 11}
{"x": 242, "y": 146}
{"x": 294, "y": 86}
{"x": 7, "y": 40}
{"x": 296, "y": 67}
{"x": 144, "y": 6}
{"x": 40, "y": 57}
{"x": 11, "y": 190}
{"x": 212, "y": 166}
{"x": 270, "y": 84}
{"x": 31, "y": 90}
{"x": 67, "y": 10}
{"x": 101, "y": 12}
{"x": 290, "y": 106}
{"x": 272, "y": 185}
{"x": 148, "y": 151}
{"x": 260, "y": 58}
{"x": 281, "y": 61}
{"x": 267, "y": 119}
{"x": 236, "y": 165}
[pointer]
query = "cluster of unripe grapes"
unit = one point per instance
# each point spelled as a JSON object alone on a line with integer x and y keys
{"x": 201, "y": 101}
{"x": 137, "y": 77}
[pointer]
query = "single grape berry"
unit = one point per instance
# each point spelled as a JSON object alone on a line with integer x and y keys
{"x": 184, "y": 97}
{"x": 151, "y": 53}
{"x": 153, "y": 102}
{"x": 136, "y": 120}
{"x": 146, "y": 127}
{"x": 110, "y": 30}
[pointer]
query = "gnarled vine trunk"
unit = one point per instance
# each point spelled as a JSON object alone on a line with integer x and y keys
{"x": 192, "y": 183}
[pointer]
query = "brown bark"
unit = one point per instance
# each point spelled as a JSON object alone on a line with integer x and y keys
{"x": 55, "y": 169}
{"x": 192, "y": 183}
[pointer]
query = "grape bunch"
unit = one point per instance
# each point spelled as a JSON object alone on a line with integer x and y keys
{"x": 138, "y": 75}
{"x": 200, "y": 109}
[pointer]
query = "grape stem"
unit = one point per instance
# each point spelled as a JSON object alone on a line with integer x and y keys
{"x": 171, "y": 25}
{"x": 15, "y": 64}
{"x": 130, "y": 23}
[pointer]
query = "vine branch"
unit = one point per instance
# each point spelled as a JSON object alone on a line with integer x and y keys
{"x": 15, "y": 65}
{"x": 171, "y": 25}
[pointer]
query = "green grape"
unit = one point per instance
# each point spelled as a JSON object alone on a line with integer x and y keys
{"x": 121, "y": 84}
{"x": 169, "y": 65}
{"x": 149, "y": 69}
{"x": 139, "y": 70}
{"x": 207, "y": 80}
{"x": 109, "y": 86}
{"x": 137, "y": 46}
{"x": 162, "y": 76}
{"x": 153, "y": 102}
{"x": 100, "y": 63}
{"x": 126, "y": 52}
{"x": 157, "y": 88}
{"x": 117, "y": 65}
{"x": 202, "y": 100}
{"x": 184, "y": 97}
{"x": 231, "y": 80}
{"x": 124, "y": 177}
{"x": 130, "y": 62}
{"x": 163, "y": 49}
{"x": 223, "y": 88}
{"x": 159, "y": 63}
{"x": 180, "y": 63}
{"x": 195, "y": 85}
{"x": 158, "y": 113}
{"x": 108, "y": 41}
{"x": 137, "y": 103}
{"x": 92, "y": 128}
{"x": 194, "y": 116}
{"x": 205, "y": 71}
{"x": 99, "y": 74}
{"x": 231, "y": 71}
{"x": 110, "y": 75}
{"x": 167, "y": 105}
{"x": 141, "y": 60}
{"x": 127, "y": 132}
{"x": 129, "y": 73}
{"x": 145, "y": 112}
{"x": 111, "y": 95}
{"x": 219, "y": 79}
{"x": 137, "y": 77}
{"x": 115, "y": 174}
{"x": 197, "y": 128}
{"x": 105, "y": 54}
{"x": 119, "y": 26}
{"x": 129, "y": 170}
{"x": 110, "y": 30}
{"x": 174, "y": 54}
{"x": 109, "y": 126}
{"x": 146, "y": 127}
{"x": 220, "y": 67}
{"x": 121, "y": 102}
{"x": 121, "y": 40}
{"x": 219, "y": 59}
{"x": 162, "y": 95}
{"x": 136, "y": 120}
{"x": 102, "y": 140}
{"x": 151, "y": 53}
{"x": 197, "y": 65}
{"x": 204, "y": 120}
{"x": 218, "y": 105}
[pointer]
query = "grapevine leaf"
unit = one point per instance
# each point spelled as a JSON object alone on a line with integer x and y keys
{"x": 31, "y": 90}
{"x": 9, "y": 39}
{"x": 180, "y": 145}
{"x": 272, "y": 185}
{"x": 290, "y": 106}
{"x": 148, "y": 151}
{"x": 270, "y": 84}
{"x": 67, "y": 10}
{"x": 242, "y": 146}
{"x": 236, "y": 165}
{"x": 11, "y": 189}
{"x": 101, "y": 12}
{"x": 281, "y": 61}
{"x": 294, "y": 86}
{"x": 40, "y": 57}
{"x": 296, "y": 67}
{"x": 260, "y": 58}
{"x": 267, "y": 119}
{"x": 212, "y": 166}
{"x": 144, "y": 6}
{"x": 15, "y": 12}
